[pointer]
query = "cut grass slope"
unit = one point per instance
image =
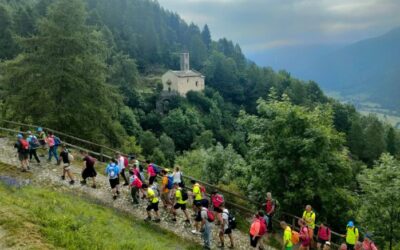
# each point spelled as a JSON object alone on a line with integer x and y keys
{"x": 39, "y": 218}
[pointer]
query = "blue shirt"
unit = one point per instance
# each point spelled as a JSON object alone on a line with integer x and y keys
{"x": 112, "y": 171}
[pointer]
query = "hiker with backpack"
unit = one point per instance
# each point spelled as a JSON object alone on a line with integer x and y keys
{"x": 181, "y": 198}
{"x": 88, "y": 170}
{"x": 228, "y": 223}
{"x": 217, "y": 201}
{"x": 42, "y": 137}
{"x": 207, "y": 218}
{"x": 287, "y": 236}
{"x": 22, "y": 147}
{"x": 64, "y": 155}
{"x": 352, "y": 235}
{"x": 368, "y": 244}
{"x": 309, "y": 218}
{"x": 112, "y": 171}
{"x": 153, "y": 203}
{"x": 122, "y": 165}
{"x": 52, "y": 147}
{"x": 136, "y": 184}
{"x": 151, "y": 172}
{"x": 166, "y": 187}
{"x": 196, "y": 195}
{"x": 33, "y": 146}
{"x": 257, "y": 229}
{"x": 270, "y": 208}
{"x": 324, "y": 235}
{"x": 304, "y": 235}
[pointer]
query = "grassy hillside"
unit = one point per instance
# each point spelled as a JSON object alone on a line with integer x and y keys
{"x": 39, "y": 218}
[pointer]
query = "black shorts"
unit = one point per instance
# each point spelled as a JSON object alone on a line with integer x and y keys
{"x": 151, "y": 180}
{"x": 23, "y": 155}
{"x": 114, "y": 182}
{"x": 253, "y": 243}
{"x": 197, "y": 203}
{"x": 350, "y": 246}
{"x": 228, "y": 231}
{"x": 88, "y": 172}
{"x": 152, "y": 206}
{"x": 181, "y": 206}
{"x": 218, "y": 210}
{"x": 42, "y": 142}
{"x": 198, "y": 217}
{"x": 321, "y": 241}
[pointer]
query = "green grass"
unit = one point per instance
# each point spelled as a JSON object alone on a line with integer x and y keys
{"x": 39, "y": 218}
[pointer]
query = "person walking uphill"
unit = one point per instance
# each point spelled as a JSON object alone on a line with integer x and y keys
{"x": 153, "y": 203}
{"x": 22, "y": 147}
{"x": 151, "y": 172}
{"x": 257, "y": 229}
{"x": 66, "y": 164}
{"x": 181, "y": 198}
{"x": 351, "y": 236}
{"x": 287, "y": 236}
{"x": 270, "y": 206}
{"x": 112, "y": 172}
{"x": 122, "y": 164}
{"x": 207, "y": 217}
{"x": 309, "y": 218}
{"x": 52, "y": 147}
{"x": 88, "y": 170}
{"x": 33, "y": 146}
{"x": 135, "y": 184}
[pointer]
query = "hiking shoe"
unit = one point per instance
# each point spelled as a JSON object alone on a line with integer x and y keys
{"x": 114, "y": 197}
{"x": 83, "y": 182}
{"x": 94, "y": 186}
{"x": 194, "y": 231}
{"x": 187, "y": 221}
{"x": 221, "y": 246}
{"x": 28, "y": 168}
{"x": 24, "y": 170}
{"x": 174, "y": 219}
{"x": 231, "y": 247}
{"x": 62, "y": 177}
{"x": 157, "y": 220}
{"x": 126, "y": 184}
{"x": 72, "y": 182}
{"x": 147, "y": 219}
{"x": 117, "y": 192}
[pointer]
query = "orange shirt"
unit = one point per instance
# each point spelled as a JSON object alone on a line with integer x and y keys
{"x": 255, "y": 228}
{"x": 164, "y": 182}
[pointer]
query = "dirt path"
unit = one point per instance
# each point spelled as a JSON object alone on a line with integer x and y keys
{"x": 49, "y": 174}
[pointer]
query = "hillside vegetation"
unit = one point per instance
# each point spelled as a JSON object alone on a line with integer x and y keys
{"x": 91, "y": 69}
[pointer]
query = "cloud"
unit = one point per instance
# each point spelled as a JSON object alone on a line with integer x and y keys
{"x": 266, "y": 24}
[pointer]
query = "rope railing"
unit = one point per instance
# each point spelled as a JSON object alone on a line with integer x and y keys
{"x": 101, "y": 155}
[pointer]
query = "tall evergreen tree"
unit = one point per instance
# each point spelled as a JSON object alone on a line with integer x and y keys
{"x": 8, "y": 46}
{"x": 60, "y": 80}
{"x": 206, "y": 36}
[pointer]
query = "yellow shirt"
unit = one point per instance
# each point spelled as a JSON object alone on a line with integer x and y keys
{"x": 351, "y": 235}
{"x": 309, "y": 217}
{"x": 197, "y": 192}
{"x": 287, "y": 237}
{"x": 152, "y": 196}
{"x": 165, "y": 184}
{"x": 178, "y": 196}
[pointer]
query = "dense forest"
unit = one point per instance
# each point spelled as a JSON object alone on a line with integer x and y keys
{"x": 92, "y": 68}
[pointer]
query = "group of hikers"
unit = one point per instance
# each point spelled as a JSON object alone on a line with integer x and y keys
{"x": 175, "y": 196}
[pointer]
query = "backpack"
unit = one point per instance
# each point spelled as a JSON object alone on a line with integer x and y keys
{"x": 217, "y": 200}
{"x": 170, "y": 183}
{"x": 24, "y": 144}
{"x": 156, "y": 168}
{"x": 70, "y": 157}
{"x": 202, "y": 189}
{"x": 155, "y": 189}
{"x": 231, "y": 221}
{"x": 126, "y": 162}
{"x": 210, "y": 216}
{"x": 263, "y": 226}
{"x": 57, "y": 141}
{"x": 34, "y": 143}
{"x": 295, "y": 237}
{"x": 185, "y": 195}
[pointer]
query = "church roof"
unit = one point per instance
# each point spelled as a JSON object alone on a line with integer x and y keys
{"x": 189, "y": 73}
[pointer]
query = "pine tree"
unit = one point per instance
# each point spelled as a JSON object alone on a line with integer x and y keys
{"x": 206, "y": 36}
{"x": 59, "y": 81}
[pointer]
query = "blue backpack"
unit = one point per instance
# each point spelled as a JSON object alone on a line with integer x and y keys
{"x": 156, "y": 168}
{"x": 170, "y": 184}
{"x": 57, "y": 141}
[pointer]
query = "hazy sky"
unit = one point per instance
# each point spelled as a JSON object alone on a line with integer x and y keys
{"x": 259, "y": 25}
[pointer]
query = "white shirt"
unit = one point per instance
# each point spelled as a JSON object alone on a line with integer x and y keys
{"x": 177, "y": 177}
{"x": 225, "y": 217}
{"x": 121, "y": 162}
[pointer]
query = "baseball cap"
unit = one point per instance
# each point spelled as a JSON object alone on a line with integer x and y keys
{"x": 350, "y": 224}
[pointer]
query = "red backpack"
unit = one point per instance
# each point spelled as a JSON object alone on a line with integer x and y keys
{"x": 24, "y": 144}
{"x": 126, "y": 162}
{"x": 210, "y": 216}
{"x": 263, "y": 226}
{"x": 217, "y": 200}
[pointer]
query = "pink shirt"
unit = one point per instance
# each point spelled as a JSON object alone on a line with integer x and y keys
{"x": 324, "y": 233}
{"x": 150, "y": 170}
